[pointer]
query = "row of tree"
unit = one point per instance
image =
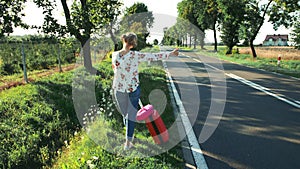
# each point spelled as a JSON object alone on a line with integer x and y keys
{"x": 237, "y": 20}
{"x": 84, "y": 19}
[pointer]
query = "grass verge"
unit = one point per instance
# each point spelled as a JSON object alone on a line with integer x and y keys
{"x": 100, "y": 143}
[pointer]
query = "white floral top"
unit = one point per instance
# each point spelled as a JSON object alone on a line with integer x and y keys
{"x": 125, "y": 68}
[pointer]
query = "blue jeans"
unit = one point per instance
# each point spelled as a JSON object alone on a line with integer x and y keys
{"x": 127, "y": 104}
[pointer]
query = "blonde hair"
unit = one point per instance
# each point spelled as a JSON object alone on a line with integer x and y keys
{"x": 130, "y": 38}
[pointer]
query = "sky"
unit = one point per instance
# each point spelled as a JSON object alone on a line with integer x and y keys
{"x": 164, "y": 10}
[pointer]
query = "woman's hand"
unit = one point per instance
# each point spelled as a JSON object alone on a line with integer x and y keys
{"x": 175, "y": 52}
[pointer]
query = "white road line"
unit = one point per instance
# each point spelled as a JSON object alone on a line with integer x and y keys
{"x": 207, "y": 65}
{"x": 195, "y": 147}
{"x": 257, "y": 86}
{"x": 184, "y": 55}
{"x": 263, "y": 89}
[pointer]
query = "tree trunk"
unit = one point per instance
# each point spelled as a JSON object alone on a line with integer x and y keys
{"x": 258, "y": 28}
{"x": 190, "y": 41}
{"x": 113, "y": 38}
{"x": 202, "y": 37}
{"x": 215, "y": 38}
{"x": 195, "y": 41}
{"x": 253, "y": 49}
{"x": 87, "y": 61}
{"x": 186, "y": 40}
{"x": 229, "y": 51}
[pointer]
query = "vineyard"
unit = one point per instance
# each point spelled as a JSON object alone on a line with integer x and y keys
{"x": 38, "y": 53}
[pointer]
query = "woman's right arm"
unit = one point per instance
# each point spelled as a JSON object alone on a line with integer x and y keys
{"x": 155, "y": 56}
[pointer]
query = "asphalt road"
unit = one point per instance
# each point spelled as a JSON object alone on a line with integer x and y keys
{"x": 244, "y": 118}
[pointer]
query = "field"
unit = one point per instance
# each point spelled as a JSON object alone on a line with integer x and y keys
{"x": 266, "y": 58}
{"x": 287, "y": 53}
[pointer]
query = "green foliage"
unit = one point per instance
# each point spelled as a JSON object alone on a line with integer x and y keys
{"x": 231, "y": 22}
{"x": 10, "y": 16}
{"x": 83, "y": 152}
{"x": 296, "y": 35}
{"x": 146, "y": 18}
{"x": 284, "y": 12}
{"x": 189, "y": 11}
{"x": 39, "y": 118}
{"x": 40, "y": 52}
{"x": 82, "y": 19}
{"x": 139, "y": 20}
{"x": 35, "y": 121}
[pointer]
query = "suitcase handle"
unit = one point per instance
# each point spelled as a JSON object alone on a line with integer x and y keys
{"x": 144, "y": 112}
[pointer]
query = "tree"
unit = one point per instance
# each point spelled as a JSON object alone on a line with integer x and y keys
{"x": 254, "y": 18}
{"x": 209, "y": 14}
{"x": 231, "y": 21}
{"x": 187, "y": 10}
{"x": 138, "y": 19}
{"x": 280, "y": 12}
{"x": 82, "y": 19}
{"x": 284, "y": 12}
{"x": 296, "y": 35}
{"x": 11, "y": 16}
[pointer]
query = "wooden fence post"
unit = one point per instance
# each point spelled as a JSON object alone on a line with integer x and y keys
{"x": 59, "y": 60}
{"x": 24, "y": 63}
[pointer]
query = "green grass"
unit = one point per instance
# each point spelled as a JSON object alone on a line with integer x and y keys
{"x": 151, "y": 49}
{"x": 39, "y": 119}
{"x": 35, "y": 121}
{"x": 18, "y": 77}
{"x": 100, "y": 145}
{"x": 287, "y": 67}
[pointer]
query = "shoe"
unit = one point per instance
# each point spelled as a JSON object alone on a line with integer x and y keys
{"x": 128, "y": 147}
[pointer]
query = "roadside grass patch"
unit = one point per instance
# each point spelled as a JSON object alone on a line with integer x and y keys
{"x": 36, "y": 119}
{"x": 100, "y": 143}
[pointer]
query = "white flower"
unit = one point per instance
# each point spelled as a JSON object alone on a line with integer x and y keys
{"x": 95, "y": 157}
{"x": 66, "y": 143}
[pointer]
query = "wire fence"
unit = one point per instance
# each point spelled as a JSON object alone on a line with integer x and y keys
{"x": 22, "y": 56}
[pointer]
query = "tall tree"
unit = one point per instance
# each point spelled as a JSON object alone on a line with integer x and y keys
{"x": 254, "y": 18}
{"x": 82, "y": 19}
{"x": 138, "y": 14}
{"x": 231, "y": 21}
{"x": 284, "y": 12}
{"x": 209, "y": 14}
{"x": 11, "y": 16}
{"x": 296, "y": 35}
{"x": 280, "y": 13}
{"x": 188, "y": 10}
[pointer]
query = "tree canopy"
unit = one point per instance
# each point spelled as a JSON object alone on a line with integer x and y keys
{"x": 11, "y": 16}
{"x": 82, "y": 19}
{"x": 138, "y": 19}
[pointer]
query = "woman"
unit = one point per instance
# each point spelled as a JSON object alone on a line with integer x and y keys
{"x": 126, "y": 80}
